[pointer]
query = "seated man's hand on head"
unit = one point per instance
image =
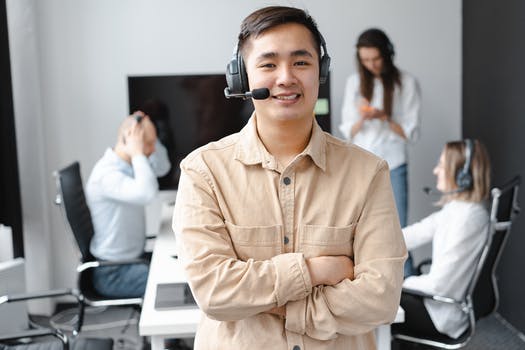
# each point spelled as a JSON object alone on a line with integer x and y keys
{"x": 138, "y": 137}
{"x": 134, "y": 139}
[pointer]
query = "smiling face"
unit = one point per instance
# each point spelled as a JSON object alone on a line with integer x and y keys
{"x": 284, "y": 59}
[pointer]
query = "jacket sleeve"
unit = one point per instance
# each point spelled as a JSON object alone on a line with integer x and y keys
{"x": 225, "y": 287}
{"x": 372, "y": 298}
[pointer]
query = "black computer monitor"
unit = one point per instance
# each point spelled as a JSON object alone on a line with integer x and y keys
{"x": 190, "y": 111}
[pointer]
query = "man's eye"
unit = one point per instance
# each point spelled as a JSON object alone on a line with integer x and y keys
{"x": 267, "y": 65}
{"x": 301, "y": 63}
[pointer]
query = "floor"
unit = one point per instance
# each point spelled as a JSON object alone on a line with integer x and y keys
{"x": 118, "y": 323}
{"x": 121, "y": 324}
{"x": 492, "y": 333}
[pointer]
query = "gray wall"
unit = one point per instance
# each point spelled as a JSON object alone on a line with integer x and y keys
{"x": 70, "y": 60}
{"x": 493, "y": 109}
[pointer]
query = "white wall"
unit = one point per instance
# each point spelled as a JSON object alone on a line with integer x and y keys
{"x": 33, "y": 167}
{"x": 71, "y": 58}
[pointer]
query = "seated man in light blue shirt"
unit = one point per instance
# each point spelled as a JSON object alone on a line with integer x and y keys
{"x": 122, "y": 182}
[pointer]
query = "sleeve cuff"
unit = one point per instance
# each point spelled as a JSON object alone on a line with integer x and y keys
{"x": 292, "y": 278}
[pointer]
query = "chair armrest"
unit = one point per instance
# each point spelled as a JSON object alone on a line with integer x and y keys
{"x": 439, "y": 298}
{"x": 98, "y": 263}
{"x": 44, "y": 294}
{"x": 50, "y": 294}
{"x": 422, "y": 264}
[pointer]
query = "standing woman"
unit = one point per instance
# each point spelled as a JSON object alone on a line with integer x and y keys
{"x": 458, "y": 232}
{"x": 381, "y": 112}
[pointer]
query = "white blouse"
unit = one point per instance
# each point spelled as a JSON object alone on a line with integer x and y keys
{"x": 458, "y": 233}
{"x": 376, "y": 135}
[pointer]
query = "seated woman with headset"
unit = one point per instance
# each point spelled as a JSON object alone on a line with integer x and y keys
{"x": 458, "y": 232}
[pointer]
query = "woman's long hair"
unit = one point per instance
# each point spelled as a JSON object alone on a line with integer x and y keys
{"x": 390, "y": 75}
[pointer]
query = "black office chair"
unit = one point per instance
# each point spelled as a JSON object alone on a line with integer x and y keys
{"x": 70, "y": 197}
{"x": 482, "y": 296}
{"x": 36, "y": 337}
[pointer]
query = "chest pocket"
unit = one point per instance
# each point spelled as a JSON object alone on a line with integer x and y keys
{"x": 324, "y": 240}
{"x": 255, "y": 242}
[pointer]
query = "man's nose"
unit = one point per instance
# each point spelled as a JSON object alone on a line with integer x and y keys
{"x": 286, "y": 75}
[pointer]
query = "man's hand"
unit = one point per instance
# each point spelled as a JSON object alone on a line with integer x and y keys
{"x": 330, "y": 270}
{"x": 134, "y": 139}
{"x": 324, "y": 270}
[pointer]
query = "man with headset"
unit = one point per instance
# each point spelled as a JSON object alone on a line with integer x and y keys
{"x": 270, "y": 221}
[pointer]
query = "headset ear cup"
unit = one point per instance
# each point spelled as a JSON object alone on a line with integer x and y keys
{"x": 464, "y": 176}
{"x": 236, "y": 75}
{"x": 464, "y": 180}
{"x": 324, "y": 69}
{"x": 391, "y": 51}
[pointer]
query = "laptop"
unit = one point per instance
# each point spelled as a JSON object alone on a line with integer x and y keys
{"x": 172, "y": 296}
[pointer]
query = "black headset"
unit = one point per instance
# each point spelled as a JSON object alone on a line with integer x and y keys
{"x": 390, "y": 47}
{"x": 464, "y": 176}
{"x": 237, "y": 79}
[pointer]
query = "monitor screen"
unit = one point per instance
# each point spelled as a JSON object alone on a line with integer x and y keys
{"x": 190, "y": 111}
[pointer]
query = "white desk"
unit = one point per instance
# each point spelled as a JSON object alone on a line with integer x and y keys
{"x": 180, "y": 323}
{"x": 13, "y": 316}
{"x": 383, "y": 335}
{"x": 183, "y": 323}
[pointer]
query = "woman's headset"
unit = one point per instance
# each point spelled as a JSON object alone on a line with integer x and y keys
{"x": 464, "y": 176}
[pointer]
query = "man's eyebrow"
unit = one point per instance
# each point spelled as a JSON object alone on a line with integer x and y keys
{"x": 296, "y": 53}
{"x": 265, "y": 55}
{"x": 302, "y": 52}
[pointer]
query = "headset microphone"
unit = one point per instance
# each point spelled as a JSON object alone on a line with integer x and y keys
{"x": 433, "y": 192}
{"x": 256, "y": 94}
{"x": 428, "y": 190}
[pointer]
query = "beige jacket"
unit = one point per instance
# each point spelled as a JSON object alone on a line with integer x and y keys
{"x": 244, "y": 228}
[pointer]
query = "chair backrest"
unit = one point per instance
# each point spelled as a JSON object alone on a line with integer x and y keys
{"x": 481, "y": 298}
{"x": 504, "y": 208}
{"x": 71, "y": 198}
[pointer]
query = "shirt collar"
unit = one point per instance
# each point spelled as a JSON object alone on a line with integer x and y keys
{"x": 250, "y": 150}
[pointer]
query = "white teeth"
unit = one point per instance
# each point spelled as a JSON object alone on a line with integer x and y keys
{"x": 290, "y": 97}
